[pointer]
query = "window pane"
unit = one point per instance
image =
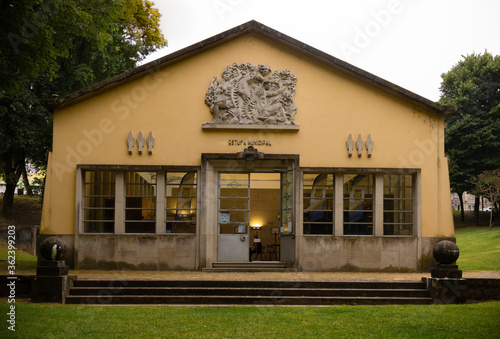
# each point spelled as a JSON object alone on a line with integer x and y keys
{"x": 93, "y": 214}
{"x": 318, "y": 203}
{"x": 233, "y": 203}
{"x": 319, "y": 228}
{"x": 140, "y": 184}
{"x": 233, "y": 228}
{"x": 98, "y": 201}
{"x": 358, "y": 204}
{"x": 99, "y": 227}
{"x": 181, "y": 227}
{"x": 140, "y": 227}
{"x": 234, "y": 180}
{"x": 140, "y": 202}
{"x": 398, "y": 204}
{"x": 234, "y": 199}
{"x": 181, "y": 194}
{"x": 398, "y": 229}
{"x": 398, "y": 217}
{"x": 358, "y": 229}
{"x": 358, "y": 217}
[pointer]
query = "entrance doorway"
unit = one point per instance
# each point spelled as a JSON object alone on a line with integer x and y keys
{"x": 251, "y": 207}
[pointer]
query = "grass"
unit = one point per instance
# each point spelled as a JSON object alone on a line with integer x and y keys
{"x": 26, "y": 210}
{"x": 25, "y": 263}
{"x": 479, "y": 248}
{"x": 436, "y": 321}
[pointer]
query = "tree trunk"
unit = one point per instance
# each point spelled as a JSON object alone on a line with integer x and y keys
{"x": 29, "y": 190}
{"x": 8, "y": 200}
{"x": 476, "y": 211}
{"x": 13, "y": 171}
{"x": 461, "y": 199}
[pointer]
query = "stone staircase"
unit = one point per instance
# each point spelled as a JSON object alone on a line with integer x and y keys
{"x": 212, "y": 292}
{"x": 254, "y": 266}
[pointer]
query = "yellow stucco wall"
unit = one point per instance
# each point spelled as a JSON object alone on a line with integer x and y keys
{"x": 171, "y": 104}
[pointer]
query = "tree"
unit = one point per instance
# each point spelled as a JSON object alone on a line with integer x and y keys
{"x": 487, "y": 184}
{"x": 60, "y": 46}
{"x": 472, "y": 135}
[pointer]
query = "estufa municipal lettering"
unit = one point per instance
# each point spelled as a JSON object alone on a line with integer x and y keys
{"x": 249, "y": 142}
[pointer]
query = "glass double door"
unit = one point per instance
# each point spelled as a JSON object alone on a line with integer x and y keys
{"x": 254, "y": 211}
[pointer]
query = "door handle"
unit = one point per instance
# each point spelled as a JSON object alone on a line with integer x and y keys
{"x": 243, "y": 237}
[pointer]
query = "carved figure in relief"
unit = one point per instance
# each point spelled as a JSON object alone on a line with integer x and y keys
{"x": 245, "y": 96}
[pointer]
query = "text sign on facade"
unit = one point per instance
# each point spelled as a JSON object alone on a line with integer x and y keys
{"x": 242, "y": 142}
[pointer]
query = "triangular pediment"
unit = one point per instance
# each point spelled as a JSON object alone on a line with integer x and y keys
{"x": 251, "y": 27}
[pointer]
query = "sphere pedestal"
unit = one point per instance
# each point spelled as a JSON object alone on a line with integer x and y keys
{"x": 52, "y": 281}
{"x": 446, "y": 254}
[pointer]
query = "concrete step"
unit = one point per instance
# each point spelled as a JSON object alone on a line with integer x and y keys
{"x": 250, "y": 284}
{"x": 245, "y": 300}
{"x": 213, "y": 292}
{"x": 275, "y": 264}
{"x": 224, "y": 291}
{"x": 247, "y": 269}
{"x": 253, "y": 266}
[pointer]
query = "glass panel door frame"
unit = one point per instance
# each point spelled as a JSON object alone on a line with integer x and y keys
{"x": 233, "y": 217}
{"x": 224, "y": 216}
{"x": 287, "y": 194}
{"x": 215, "y": 163}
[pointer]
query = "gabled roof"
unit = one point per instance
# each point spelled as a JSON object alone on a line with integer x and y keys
{"x": 234, "y": 33}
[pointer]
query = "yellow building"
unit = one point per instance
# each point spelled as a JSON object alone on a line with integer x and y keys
{"x": 249, "y": 146}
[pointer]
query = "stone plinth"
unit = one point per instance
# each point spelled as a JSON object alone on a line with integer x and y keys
{"x": 446, "y": 271}
{"x": 51, "y": 289}
{"x": 53, "y": 268}
{"x": 446, "y": 254}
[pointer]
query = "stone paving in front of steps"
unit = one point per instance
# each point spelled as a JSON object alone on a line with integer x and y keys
{"x": 266, "y": 276}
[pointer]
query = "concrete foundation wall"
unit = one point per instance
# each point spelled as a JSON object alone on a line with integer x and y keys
{"x": 136, "y": 252}
{"x": 390, "y": 254}
{"x": 315, "y": 253}
{"x": 25, "y": 237}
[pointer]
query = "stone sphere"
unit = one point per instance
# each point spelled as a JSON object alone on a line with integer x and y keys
{"x": 446, "y": 252}
{"x": 53, "y": 248}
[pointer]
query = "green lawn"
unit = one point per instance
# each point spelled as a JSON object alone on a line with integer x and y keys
{"x": 25, "y": 263}
{"x": 75, "y": 321}
{"x": 479, "y": 248}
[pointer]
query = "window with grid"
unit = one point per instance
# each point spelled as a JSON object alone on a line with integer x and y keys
{"x": 99, "y": 202}
{"x": 140, "y": 202}
{"x": 358, "y": 204}
{"x": 398, "y": 204}
{"x": 318, "y": 203}
{"x": 180, "y": 202}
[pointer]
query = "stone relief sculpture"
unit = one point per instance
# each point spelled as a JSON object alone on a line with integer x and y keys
{"x": 246, "y": 95}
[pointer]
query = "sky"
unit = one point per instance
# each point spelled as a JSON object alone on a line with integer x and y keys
{"x": 407, "y": 42}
